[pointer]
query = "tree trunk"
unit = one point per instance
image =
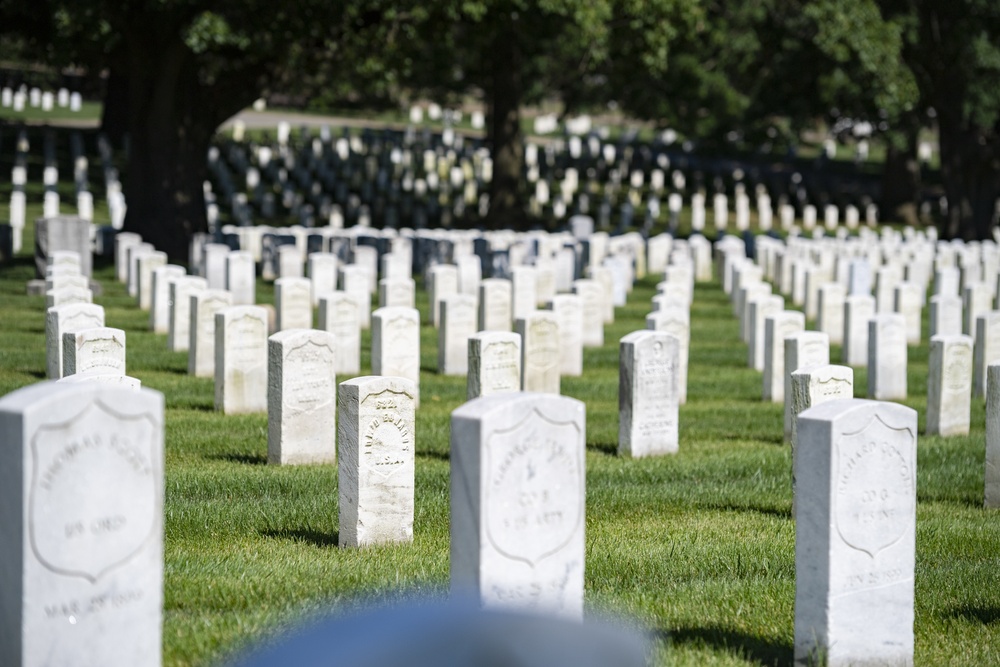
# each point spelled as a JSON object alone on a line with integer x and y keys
{"x": 507, "y": 200}
{"x": 970, "y": 170}
{"x": 901, "y": 180}
{"x": 115, "y": 112}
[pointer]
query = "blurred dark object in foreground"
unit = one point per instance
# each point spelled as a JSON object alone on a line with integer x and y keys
{"x": 440, "y": 634}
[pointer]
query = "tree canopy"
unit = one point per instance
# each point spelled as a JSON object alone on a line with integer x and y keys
{"x": 178, "y": 68}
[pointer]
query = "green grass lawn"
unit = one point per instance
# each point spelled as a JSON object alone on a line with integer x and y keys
{"x": 699, "y": 545}
{"x": 89, "y": 111}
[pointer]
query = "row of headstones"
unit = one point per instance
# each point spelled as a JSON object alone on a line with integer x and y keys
{"x": 185, "y": 299}
{"x": 392, "y": 165}
{"x": 796, "y": 363}
{"x": 36, "y": 98}
{"x": 517, "y": 514}
{"x": 78, "y": 345}
{"x": 51, "y": 201}
{"x": 544, "y": 519}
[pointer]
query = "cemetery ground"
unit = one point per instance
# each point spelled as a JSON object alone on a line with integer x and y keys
{"x": 699, "y": 546}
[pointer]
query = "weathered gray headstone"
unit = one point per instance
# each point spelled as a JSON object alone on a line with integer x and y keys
{"x": 301, "y": 397}
{"x": 376, "y": 453}
{"x": 82, "y": 551}
{"x": 647, "y": 394}
{"x": 494, "y": 363}
{"x": 855, "y": 523}
{"x": 518, "y": 502}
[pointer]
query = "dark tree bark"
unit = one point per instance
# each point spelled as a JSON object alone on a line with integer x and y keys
{"x": 114, "y": 112}
{"x": 970, "y": 171}
{"x": 172, "y": 116}
{"x": 901, "y": 182}
{"x": 507, "y": 200}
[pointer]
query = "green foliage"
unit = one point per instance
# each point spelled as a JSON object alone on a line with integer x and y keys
{"x": 741, "y": 66}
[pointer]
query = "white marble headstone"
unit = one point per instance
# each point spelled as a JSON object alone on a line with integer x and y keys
{"x": 376, "y": 446}
{"x": 82, "y": 526}
{"x": 301, "y": 397}
{"x": 949, "y": 385}
{"x": 855, "y": 523}
{"x": 540, "y": 355}
{"x": 518, "y": 502}
{"x": 241, "y": 359}
{"x": 93, "y": 350}
{"x": 338, "y": 314}
{"x": 649, "y": 364}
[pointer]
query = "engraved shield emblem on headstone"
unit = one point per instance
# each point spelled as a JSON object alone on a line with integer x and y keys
{"x": 875, "y": 486}
{"x": 544, "y": 353}
{"x": 94, "y": 491}
{"x": 534, "y": 477}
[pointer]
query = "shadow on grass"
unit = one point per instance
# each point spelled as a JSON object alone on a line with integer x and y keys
{"x": 758, "y": 649}
{"x": 434, "y": 454}
{"x": 985, "y": 615}
{"x": 973, "y": 502}
{"x": 606, "y": 448}
{"x": 314, "y": 537}
{"x": 781, "y": 513}
{"x": 245, "y": 459}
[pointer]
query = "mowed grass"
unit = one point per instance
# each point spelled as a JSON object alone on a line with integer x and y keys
{"x": 699, "y": 546}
